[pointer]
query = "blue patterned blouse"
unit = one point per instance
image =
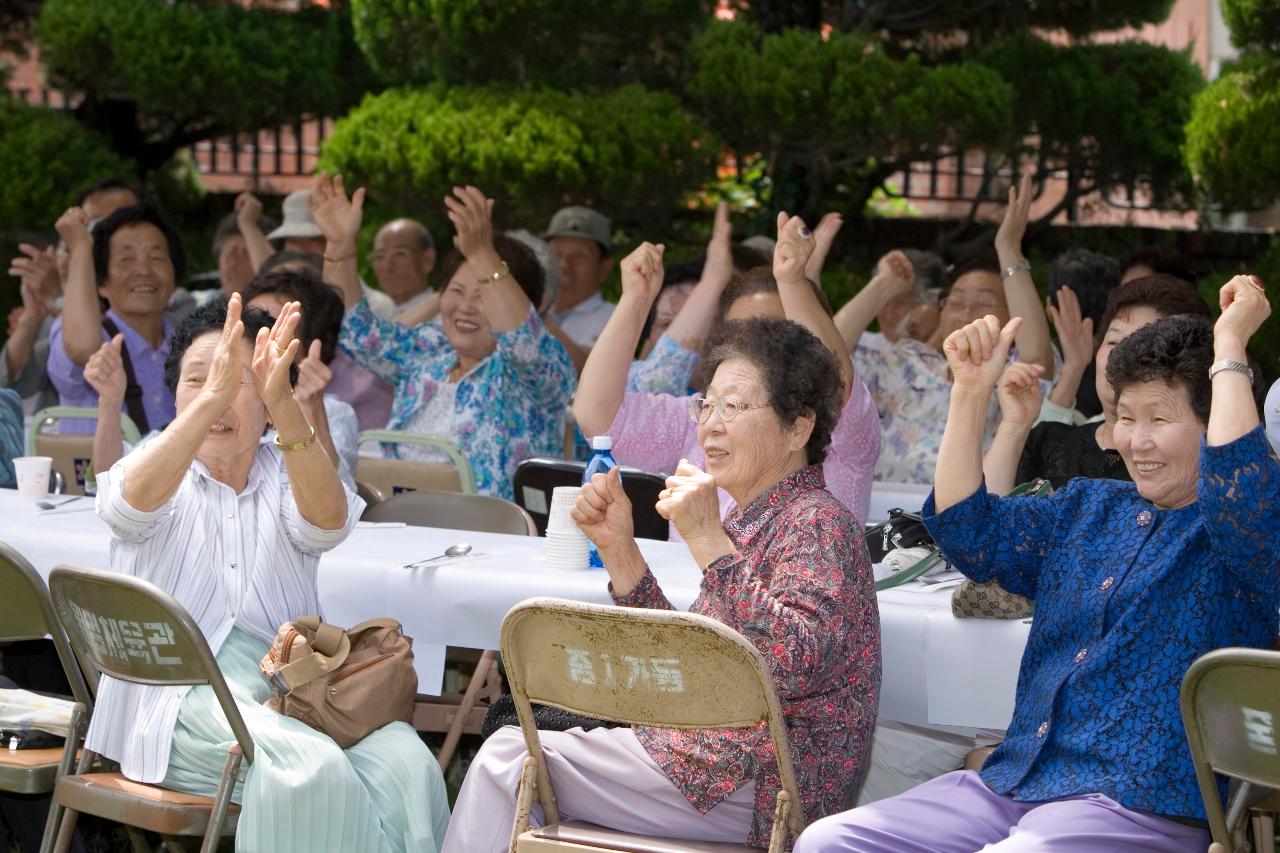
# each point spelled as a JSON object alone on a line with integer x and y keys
{"x": 1127, "y": 596}
{"x": 667, "y": 369}
{"x": 509, "y": 407}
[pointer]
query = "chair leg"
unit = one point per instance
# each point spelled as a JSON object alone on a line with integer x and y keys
{"x": 781, "y": 817}
{"x": 74, "y": 734}
{"x": 1264, "y": 830}
{"x": 218, "y": 816}
{"x": 66, "y": 830}
{"x": 137, "y": 840}
{"x": 479, "y": 679}
{"x": 524, "y": 800}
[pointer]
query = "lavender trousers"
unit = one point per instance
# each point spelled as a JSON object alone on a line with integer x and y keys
{"x": 603, "y": 776}
{"x": 957, "y": 812}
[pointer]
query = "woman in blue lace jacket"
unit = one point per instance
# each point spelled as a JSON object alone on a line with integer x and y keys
{"x": 1132, "y": 583}
{"x": 489, "y": 376}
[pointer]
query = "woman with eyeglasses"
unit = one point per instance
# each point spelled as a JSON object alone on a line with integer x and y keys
{"x": 788, "y": 569}
{"x": 654, "y": 431}
{"x": 910, "y": 380}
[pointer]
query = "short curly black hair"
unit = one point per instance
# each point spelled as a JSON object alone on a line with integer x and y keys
{"x": 322, "y": 308}
{"x": 800, "y": 374}
{"x": 137, "y": 214}
{"x": 520, "y": 260}
{"x": 1176, "y": 350}
{"x": 211, "y": 317}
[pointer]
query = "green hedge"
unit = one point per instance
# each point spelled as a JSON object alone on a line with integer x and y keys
{"x": 629, "y": 152}
{"x": 1233, "y": 147}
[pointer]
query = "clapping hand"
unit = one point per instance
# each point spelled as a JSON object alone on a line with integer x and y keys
{"x": 642, "y": 273}
{"x": 337, "y": 216}
{"x": 73, "y": 228}
{"x": 1075, "y": 331}
{"x": 313, "y": 377}
{"x": 603, "y": 511}
{"x": 273, "y": 355}
{"x": 226, "y": 372}
{"x": 38, "y": 271}
{"x": 977, "y": 352}
{"x": 1014, "y": 225}
{"x": 691, "y": 502}
{"x": 472, "y": 216}
{"x": 1019, "y": 393}
{"x": 105, "y": 372}
{"x": 795, "y": 247}
{"x": 1244, "y": 309}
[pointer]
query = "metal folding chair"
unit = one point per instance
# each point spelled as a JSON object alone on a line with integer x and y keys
{"x": 537, "y": 477}
{"x": 642, "y": 667}
{"x": 129, "y": 629}
{"x": 386, "y": 478}
{"x": 71, "y": 454}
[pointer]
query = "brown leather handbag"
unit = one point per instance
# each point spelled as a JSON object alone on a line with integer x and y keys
{"x": 972, "y": 600}
{"x": 346, "y": 684}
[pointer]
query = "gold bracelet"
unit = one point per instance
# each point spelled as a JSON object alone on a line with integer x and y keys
{"x": 296, "y": 445}
{"x": 503, "y": 272}
{"x": 340, "y": 259}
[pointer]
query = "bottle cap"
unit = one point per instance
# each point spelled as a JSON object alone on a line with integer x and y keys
{"x": 602, "y": 442}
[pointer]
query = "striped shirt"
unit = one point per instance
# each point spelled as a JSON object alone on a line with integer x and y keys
{"x": 246, "y": 560}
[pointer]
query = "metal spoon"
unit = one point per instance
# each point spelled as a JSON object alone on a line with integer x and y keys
{"x": 462, "y": 549}
{"x": 52, "y": 505}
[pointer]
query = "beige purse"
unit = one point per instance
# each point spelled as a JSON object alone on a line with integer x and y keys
{"x": 972, "y": 600}
{"x": 346, "y": 684}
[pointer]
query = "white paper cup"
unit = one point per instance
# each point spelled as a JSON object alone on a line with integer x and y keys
{"x": 33, "y": 475}
{"x": 562, "y": 500}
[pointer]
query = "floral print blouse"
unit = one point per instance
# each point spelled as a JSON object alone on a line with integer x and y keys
{"x": 509, "y": 407}
{"x": 1127, "y": 597}
{"x": 667, "y": 369}
{"x": 800, "y": 589}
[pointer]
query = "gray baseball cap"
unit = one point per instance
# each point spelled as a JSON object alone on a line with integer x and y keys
{"x": 582, "y": 222}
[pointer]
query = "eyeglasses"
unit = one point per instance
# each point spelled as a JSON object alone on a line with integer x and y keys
{"x": 391, "y": 254}
{"x": 980, "y": 305}
{"x": 728, "y": 409}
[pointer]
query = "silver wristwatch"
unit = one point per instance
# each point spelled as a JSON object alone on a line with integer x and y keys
{"x": 1230, "y": 364}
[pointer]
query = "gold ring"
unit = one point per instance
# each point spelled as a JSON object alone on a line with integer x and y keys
{"x": 281, "y": 350}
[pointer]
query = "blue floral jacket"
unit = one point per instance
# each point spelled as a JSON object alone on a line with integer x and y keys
{"x": 510, "y": 407}
{"x": 1127, "y": 597}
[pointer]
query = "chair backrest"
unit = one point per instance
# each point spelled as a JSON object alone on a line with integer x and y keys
{"x": 643, "y": 667}
{"x": 1231, "y": 711}
{"x": 72, "y": 454}
{"x": 130, "y": 629}
{"x": 26, "y": 613}
{"x": 391, "y": 477}
{"x": 454, "y": 510}
{"x": 536, "y": 478}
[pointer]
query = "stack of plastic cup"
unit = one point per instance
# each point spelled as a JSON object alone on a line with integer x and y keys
{"x": 567, "y": 547}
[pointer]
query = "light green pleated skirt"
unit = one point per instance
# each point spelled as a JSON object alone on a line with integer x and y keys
{"x": 303, "y": 792}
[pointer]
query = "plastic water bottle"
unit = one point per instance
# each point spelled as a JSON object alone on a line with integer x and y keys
{"x": 600, "y": 463}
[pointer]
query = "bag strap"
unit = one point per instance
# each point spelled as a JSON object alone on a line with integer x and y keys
{"x": 132, "y": 390}
{"x": 383, "y": 622}
{"x": 317, "y": 664}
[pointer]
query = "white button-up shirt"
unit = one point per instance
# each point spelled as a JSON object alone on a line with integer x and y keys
{"x": 585, "y": 321}
{"x": 244, "y": 560}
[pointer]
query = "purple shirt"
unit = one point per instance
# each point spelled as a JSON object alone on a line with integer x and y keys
{"x": 362, "y": 391}
{"x": 148, "y": 370}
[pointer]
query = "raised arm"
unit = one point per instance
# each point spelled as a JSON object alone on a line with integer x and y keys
{"x": 313, "y": 377}
{"x": 1019, "y": 394}
{"x": 1075, "y": 333}
{"x": 799, "y": 303}
{"x": 976, "y": 354}
{"x": 248, "y": 214}
{"x": 694, "y": 320}
{"x": 313, "y": 474}
{"x": 1019, "y": 288}
{"x": 578, "y": 354}
{"x": 604, "y": 378}
{"x": 1233, "y": 411}
{"x": 423, "y": 312}
{"x": 472, "y": 216}
{"x": 339, "y": 219}
{"x": 893, "y": 277}
{"x": 824, "y": 235}
{"x": 152, "y": 474}
{"x": 81, "y": 312}
{"x": 105, "y": 372}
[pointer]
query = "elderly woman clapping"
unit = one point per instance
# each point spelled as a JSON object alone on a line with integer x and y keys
{"x": 233, "y": 528}
{"x": 787, "y": 569}
{"x": 1132, "y": 583}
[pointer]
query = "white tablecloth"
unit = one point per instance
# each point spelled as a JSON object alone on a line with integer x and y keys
{"x": 887, "y": 496}
{"x": 937, "y": 669}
